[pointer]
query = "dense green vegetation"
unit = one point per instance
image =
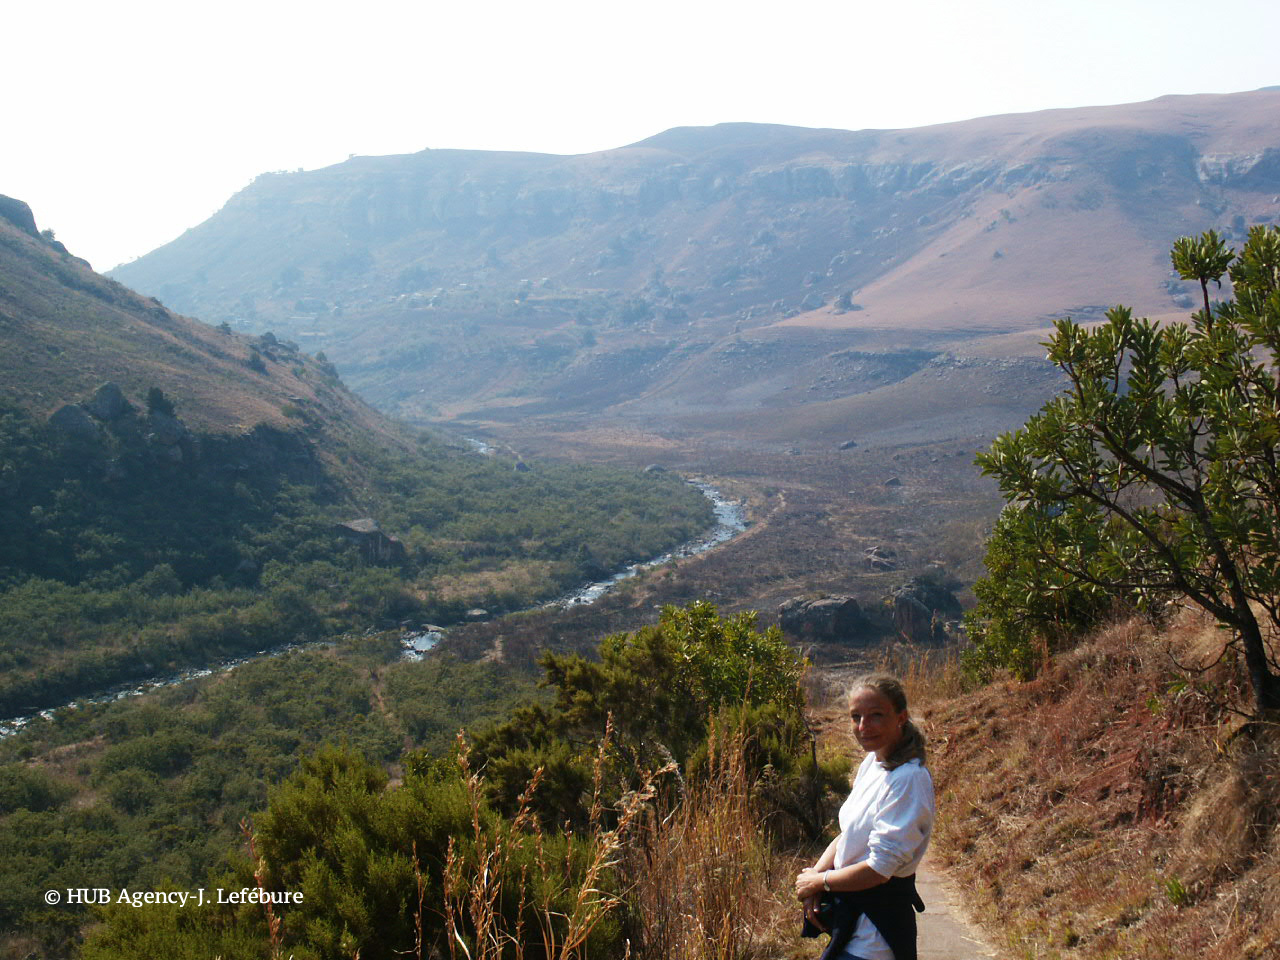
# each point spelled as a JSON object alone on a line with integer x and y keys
{"x": 1155, "y": 477}
{"x": 118, "y": 563}
{"x": 148, "y": 794}
{"x": 662, "y": 685}
{"x": 1027, "y": 608}
{"x": 135, "y": 546}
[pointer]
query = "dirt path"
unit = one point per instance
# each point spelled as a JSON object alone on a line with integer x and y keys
{"x": 944, "y": 933}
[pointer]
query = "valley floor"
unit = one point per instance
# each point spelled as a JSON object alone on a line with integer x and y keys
{"x": 815, "y": 512}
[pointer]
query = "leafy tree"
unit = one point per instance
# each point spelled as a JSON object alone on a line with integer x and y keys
{"x": 1166, "y": 448}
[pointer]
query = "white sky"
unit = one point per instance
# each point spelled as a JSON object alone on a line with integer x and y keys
{"x": 126, "y": 122}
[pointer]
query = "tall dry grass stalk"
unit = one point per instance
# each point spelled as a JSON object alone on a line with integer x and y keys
{"x": 476, "y": 926}
{"x": 704, "y": 878}
{"x": 275, "y": 925}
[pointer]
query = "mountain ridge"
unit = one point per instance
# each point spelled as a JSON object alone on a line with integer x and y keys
{"x": 457, "y": 280}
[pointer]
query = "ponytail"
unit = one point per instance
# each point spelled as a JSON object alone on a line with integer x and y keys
{"x": 910, "y": 747}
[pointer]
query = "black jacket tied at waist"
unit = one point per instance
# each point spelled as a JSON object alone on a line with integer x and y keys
{"x": 892, "y": 906}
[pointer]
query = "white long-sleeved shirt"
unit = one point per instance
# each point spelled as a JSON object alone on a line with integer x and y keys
{"x": 886, "y": 821}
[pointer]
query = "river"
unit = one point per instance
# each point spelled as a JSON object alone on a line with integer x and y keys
{"x": 730, "y": 521}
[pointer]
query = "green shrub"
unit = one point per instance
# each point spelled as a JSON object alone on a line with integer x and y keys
{"x": 662, "y": 685}
{"x": 25, "y": 787}
{"x": 1028, "y": 607}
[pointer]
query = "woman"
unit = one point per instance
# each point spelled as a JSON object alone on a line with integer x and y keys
{"x": 865, "y": 881}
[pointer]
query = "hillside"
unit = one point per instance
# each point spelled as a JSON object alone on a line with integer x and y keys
{"x": 176, "y": 494}
{"x": 741, "y": 270}
{"x": 65, "y": 330}
{"x": 1118, "y": 805}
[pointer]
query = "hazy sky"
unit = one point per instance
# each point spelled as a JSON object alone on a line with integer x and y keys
{"x": 126, "y": 123}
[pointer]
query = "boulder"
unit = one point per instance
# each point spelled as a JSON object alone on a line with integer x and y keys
{"x": 880, "y": 558}
{"x": 893, "y": 482}
{"x": 164, "y": 430}
{"x": 834, "y": 618}
{"x": 108, "y": 403}
{"x": 655, "y": 468}
{"x": 912, "y": 620}
{"x": 74, "y": 421}
{"x": 848, "y": 444}
{"x": 932, "y": 594}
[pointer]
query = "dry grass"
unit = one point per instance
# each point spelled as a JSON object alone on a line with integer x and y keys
{"x": 275, "y": 924}
{"x": 1110, "y": 808}
{"x": 510, "y": 579}
{"x": 691, "y": 865}
{"x": 476, "y": 926}
{"x": 706, "y": 884}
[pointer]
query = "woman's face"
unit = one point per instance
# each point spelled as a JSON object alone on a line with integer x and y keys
{"x": 876, "y": 724}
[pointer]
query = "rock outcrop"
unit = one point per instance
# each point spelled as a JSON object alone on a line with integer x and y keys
{"x": 19, "y": 214}
{"x": 170, "y": 438}
{"x": 375, "y": 546}
{"x": 74, "y": 421}
{"x": 921, "y": 609}
{"x": 826, "y": 619}
{"x": 108, "y": 403}
{"x": 914, "y": 622}
{"x": 880, "y": 558}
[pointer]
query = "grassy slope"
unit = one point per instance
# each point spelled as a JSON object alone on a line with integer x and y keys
{"x": 1108, "y": 810}
{"x": 64, "y": 330}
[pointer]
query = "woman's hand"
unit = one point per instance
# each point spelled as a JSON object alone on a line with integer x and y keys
{"x": 809, "y": 884}
{"x": 810, "y": 903}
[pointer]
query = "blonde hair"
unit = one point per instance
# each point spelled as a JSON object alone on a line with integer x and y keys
{"x": 912, "y": 745}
